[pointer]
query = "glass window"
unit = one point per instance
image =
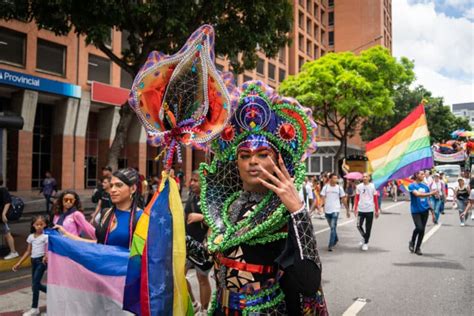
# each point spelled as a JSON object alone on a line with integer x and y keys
{"x": 281, "y": 75}
{"x": 323, "y": 37}
{"x": 301, "y": 20}
{"x": 331, "y": 18}
{"x": 301, "y": 43}
{"x": 51, "y": 57}
{"x": 271, "y": 71}
{"x": 316, "y": 11}
{"x": 308, "y": 48}
{"x": 300, "y": 63}
{"x": 323, "y": 17}
{"x": 309, "y": 29}
{"x": 282, "y": 55}
{"x": 99, "y": 69}
{"x": 330, "y": 3}
{"x": 260, "y": 66}
{"x": 247, "y": 78}
{"x": 126, "y": 79}
{"x": 331, "y": 38}
{"x": 327, "y": 163}
{"x": 316, "y": 52}
{"x": 12, "y": 47}
{"x": 42, "y": 141}
{"x": 315, "y": 164}
{"x": 125, "y": 43}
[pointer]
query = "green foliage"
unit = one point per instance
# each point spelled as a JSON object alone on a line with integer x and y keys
{"x": 241, "y": 26}
{"x": 441, "y": 121}
{"x": 343, "y": 89}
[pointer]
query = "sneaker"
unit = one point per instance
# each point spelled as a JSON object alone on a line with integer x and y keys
{"x": 31, "y": 312}
{"x": 411, "y": 246}
{"x": 12, "y": 255}
{"x": 361, "y": 243}
{"x": 329, "y": 248}
{"x": 462, "y": 224}
{"x": 365, "y": 247}
{"x": 418, "y": 252}
{"x": 472, "y": 216}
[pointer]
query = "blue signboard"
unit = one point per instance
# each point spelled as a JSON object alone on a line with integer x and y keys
{"x": 21, "y": 80}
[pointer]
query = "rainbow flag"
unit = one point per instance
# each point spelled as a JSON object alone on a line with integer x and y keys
{"x": 404, "y": 183}
{"x": 85, "y": 278}
{"x": 402, "y": 150}
{"x": 156, "y": 283}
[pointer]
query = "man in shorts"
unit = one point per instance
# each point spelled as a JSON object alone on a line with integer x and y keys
{"x": 197, "y": 230}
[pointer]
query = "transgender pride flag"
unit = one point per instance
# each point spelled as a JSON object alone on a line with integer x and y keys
{"x": 85, "y": 278}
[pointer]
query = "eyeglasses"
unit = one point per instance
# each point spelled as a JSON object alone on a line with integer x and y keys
{"x": 66, "y": 200}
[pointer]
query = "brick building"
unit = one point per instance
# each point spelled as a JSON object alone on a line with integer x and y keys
{"x": 69, "y": 94}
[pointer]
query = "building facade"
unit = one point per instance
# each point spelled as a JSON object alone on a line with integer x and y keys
{"x": 465, "y": 110}
{"x": 69, "y": 94}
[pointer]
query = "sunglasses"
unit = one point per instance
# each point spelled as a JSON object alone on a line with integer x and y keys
{"x": 67, "y": 200}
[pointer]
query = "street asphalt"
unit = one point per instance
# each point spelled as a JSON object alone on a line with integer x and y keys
{"x": 385, "y": 280}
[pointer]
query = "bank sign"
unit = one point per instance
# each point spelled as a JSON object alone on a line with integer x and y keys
{"x": 25, "y": 81}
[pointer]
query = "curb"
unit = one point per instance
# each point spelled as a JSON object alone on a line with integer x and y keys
{"x": 7, "y": 265}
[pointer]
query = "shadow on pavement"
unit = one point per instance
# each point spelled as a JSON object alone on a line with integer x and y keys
{"x": 436, "y": 265}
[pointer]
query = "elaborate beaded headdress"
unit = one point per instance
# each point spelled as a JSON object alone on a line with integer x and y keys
{"x": 183, "y": 98}
{"x": 264, "y": 118}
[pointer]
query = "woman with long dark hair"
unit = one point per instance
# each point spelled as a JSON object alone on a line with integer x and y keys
{"x": 68, "y": 213}
{"x": 117, "y": 224}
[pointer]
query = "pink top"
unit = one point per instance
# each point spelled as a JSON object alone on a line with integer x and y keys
{"x": 76, "y": 223}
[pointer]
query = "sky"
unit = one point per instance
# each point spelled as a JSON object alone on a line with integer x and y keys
{"x": 438, "y": 35}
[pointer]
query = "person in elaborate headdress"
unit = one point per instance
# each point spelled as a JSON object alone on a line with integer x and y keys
{"x": 261, "y": 237}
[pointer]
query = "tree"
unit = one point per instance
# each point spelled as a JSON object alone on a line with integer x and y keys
{"x": 241, "y": 28}
{"x": 343, "y": 89}
{"x": 441, "y": 121}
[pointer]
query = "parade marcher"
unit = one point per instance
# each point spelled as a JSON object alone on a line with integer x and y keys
{"x": 261, "y": 236}
{"x": 197, "y": 230}
{"x": 37, "y": 245}
{"x": 332, "y": 194}
{"x": 106, "y": 173}
{"x": 436, "y": 200}
{"x": 49, "y": 189}
{"x": 309, "y": 196}
{"x": 420, "y": 207}
{"x": 470, "y": 203}
{"x": 366, "y": 205}
{"x": 351, "y": 193}
{"x": 105, "y": 202}
{"x": 394, "y": 190}
{"x": 5, "y": 202}
{"x": 461, "y": 196}
{"x": 117, "y": 224}
{"x": 68, "y": 213}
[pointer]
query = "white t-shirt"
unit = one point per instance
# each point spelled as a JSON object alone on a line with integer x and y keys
{"x": 366, "y": 197}
{"x": 471, "y": 195}
{"x": 309, "y": 190}
{"x": 38, "y": 245}
{"x": 332, "y": 198}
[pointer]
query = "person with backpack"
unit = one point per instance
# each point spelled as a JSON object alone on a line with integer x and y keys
{"x": 332, "y": 194}
{"x": 5, "y": 203}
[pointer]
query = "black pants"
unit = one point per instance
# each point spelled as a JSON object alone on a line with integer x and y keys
{"x": 420, "y": 220}
{"x": 368, "y": 218}
{"x": 37, "y": 271}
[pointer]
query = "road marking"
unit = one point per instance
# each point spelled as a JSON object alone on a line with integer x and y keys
{"x": 431, "y": 232}
{"x": 352, "y": 220}
{"x": 355, "y": 307}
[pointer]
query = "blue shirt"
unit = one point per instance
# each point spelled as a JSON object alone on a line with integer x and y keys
{"x": 120, "y": 234}
{"x": 418, "y": 204}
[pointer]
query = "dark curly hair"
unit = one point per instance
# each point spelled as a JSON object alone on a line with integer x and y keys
{"x": 58, "y": 207}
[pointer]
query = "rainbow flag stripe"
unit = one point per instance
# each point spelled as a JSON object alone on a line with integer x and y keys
{"x": 404, "y": 183}
{"x": 155, "y": 283}
{"x": 402, "y": 150}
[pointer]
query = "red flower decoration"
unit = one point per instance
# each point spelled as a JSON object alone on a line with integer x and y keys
{"x": 228, "y": 133}
{"x": 287, "y": 131}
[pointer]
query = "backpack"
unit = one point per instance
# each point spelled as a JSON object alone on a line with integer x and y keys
{"x": 16, "y": 208}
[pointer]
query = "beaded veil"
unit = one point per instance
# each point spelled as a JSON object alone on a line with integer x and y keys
{"x": 261, "y": 116}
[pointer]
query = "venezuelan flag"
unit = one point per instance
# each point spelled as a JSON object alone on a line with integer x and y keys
{"x": 402, "y": 150}
{"x": 155, "y": 283}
